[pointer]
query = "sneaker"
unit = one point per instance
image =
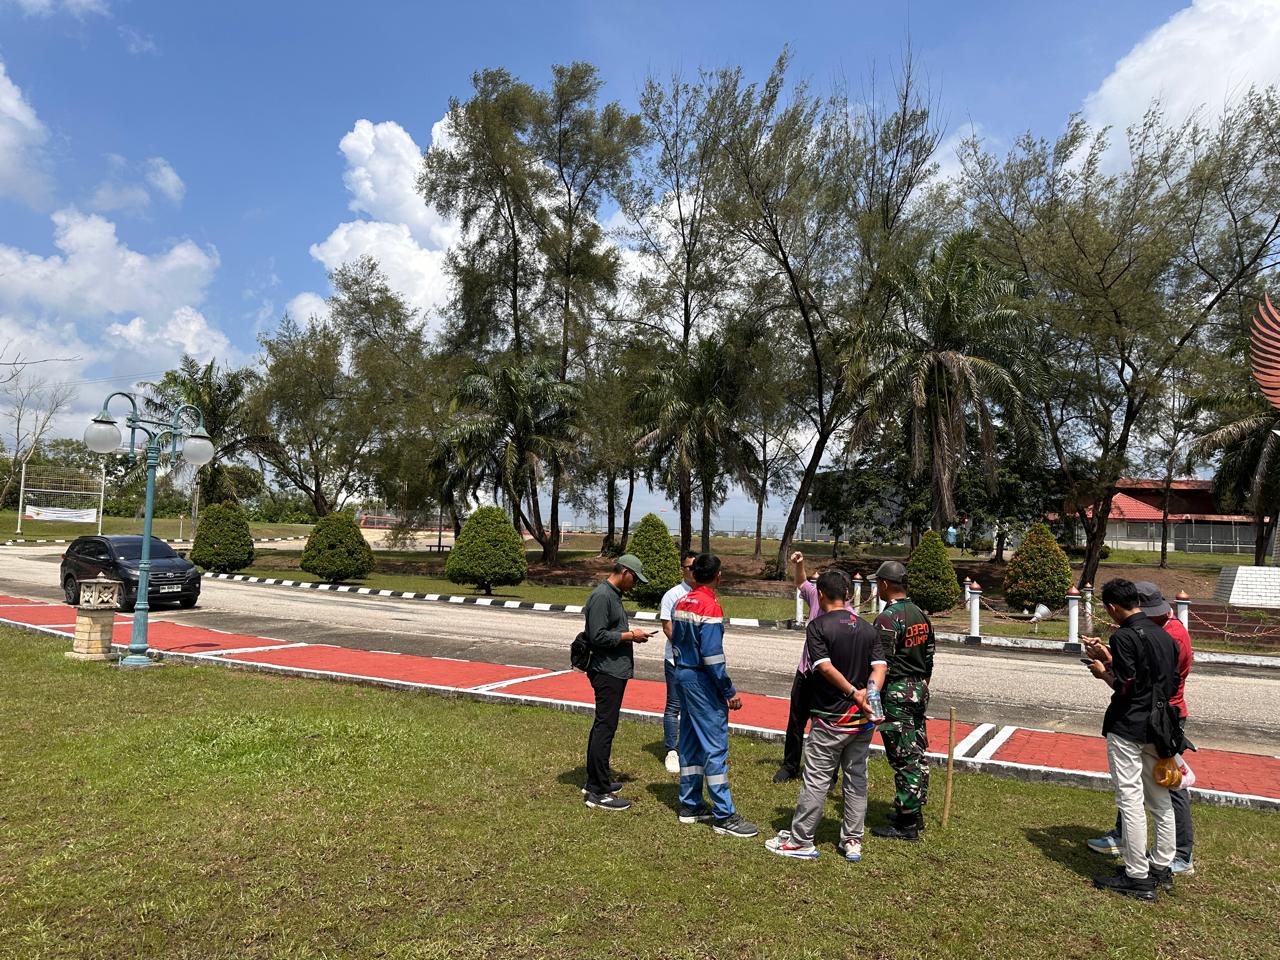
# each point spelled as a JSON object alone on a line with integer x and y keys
{"x": 851, "y": 850}
{"x": 1120, "y": 882}
{"x": 613, "y": 787}
{"x": 895, "y": 832}
{"x": 1182, "y": 868}
{"x": 696, "y": 815}
{"x": 1108, "y": 845}
{"x": 607, "y": 801}
{"x": 672, "y": 762}
{"x": 735, "y": 826}
{"x": 784, "y": 846}
{"x": 785, "y": 774}
{"x": 1162, "y": 877}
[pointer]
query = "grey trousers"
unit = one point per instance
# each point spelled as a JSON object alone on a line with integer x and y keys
{"x": 825, "y": 753}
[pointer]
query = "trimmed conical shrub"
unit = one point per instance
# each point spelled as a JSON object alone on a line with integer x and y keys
{"x": 223, "y": 543}
{"x": 337, "y": 550}
{"x": 931, "y": 580}
{"x": 488, "y": 553}
{"x": 1038, "y": 572}
{"x": 652, "y": 543}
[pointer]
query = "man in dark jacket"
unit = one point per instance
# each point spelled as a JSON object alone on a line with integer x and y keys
{"x": 612, "y": 665}
{"x": 1141, "y": 667}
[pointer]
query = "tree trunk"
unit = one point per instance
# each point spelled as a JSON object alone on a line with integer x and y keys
{"x": 999, "y": 544}
{"x": 1095, "y": 529}
{"x": 707, "y": 484}
{"x": 686, "y": 511}
{"x": 626, "y": 510}
{"x": 759, "y": 525}
{"x": 802, "y": 494}
{"x": 535, "y": 514}
{"x": 1164, "y": 521}
{"x": 551, "y": 549}
{"x": 611, "y": 506}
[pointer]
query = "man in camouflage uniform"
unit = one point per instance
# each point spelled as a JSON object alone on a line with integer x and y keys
{"x": 907, "y": 637}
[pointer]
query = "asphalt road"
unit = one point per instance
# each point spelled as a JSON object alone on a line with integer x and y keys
{"x": 1232, "y": 708}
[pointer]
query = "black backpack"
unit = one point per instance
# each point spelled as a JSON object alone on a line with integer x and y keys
{"x": 580, "y": 652}
{"x": 1164, "y": 725}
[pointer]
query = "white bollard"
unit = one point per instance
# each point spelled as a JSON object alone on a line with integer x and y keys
{"x": 857, "y": 591}
{"x": 873, "y": 595}
{"x": 967, "y": 581}
{"x": 800, "y": 611}
{"x": 1088, "y": 609}
{"x": 1073, "y": 616}
{"x": 1183, "y": 604}
{"x": 975, "y": 612}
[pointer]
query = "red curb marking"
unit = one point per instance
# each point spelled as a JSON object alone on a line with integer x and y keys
{"x": 1070, "y": 751}
{"x": 19, "y": 601}
{"x": 459, "y": 674}
{"x": 46, "y": 615}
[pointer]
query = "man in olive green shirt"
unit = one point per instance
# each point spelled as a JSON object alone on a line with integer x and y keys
{"x": 612, "y": 665}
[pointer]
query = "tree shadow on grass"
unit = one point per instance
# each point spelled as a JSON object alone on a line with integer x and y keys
{"x": 667, "y": 793}
{"x": 1066, "y": 845}
{"x": 657, "y": 749}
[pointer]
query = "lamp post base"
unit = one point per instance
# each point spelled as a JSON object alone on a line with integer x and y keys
{"x": 137, "y": 661}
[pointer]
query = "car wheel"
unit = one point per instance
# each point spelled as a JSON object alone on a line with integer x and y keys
{"x": 186, "y": 603}
{"x": 71, "y": 590}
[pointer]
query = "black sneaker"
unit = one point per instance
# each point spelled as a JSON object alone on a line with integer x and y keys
{"x": 696, "y": 815}
{"x": 735, "y": 826}
{"x": 613, "y": 787}
{"x": 785, "y": 774}
{"x": 1120, "y": 882}
{"x": 607, "y": 801}
{"x": 1162, "y": 877}
{"x": 895, "y": 832}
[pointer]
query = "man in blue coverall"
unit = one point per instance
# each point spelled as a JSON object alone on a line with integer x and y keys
{"x": 707, "y": 695}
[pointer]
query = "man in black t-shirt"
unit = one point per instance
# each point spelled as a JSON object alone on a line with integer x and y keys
{"x": 1141, "y": 667}
{"x": 844, "y": 654}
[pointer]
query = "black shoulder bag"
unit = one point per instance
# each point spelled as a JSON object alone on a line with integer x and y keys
{"x": 580, "y": 652}
{"x": 1164, "y": 725}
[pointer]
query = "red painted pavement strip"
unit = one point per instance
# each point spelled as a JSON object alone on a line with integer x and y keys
{"x": 44, "y": 615}
{"x": 19, "y": 601}
{"x": 434, "y": 671}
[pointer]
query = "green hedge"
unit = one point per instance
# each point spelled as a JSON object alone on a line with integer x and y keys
{"x": 488, "y": 553}
{"x": 652, "y": 543}
{"x": 931, "y": 580}
{"x": 1038, "y": 572}
{"x": 337, "y": 550}
{"x": 223, "y": 543}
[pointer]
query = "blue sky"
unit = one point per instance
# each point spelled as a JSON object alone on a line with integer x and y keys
{"x": 174, "y": 175}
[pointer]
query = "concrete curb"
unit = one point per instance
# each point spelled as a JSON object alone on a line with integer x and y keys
{"x": 977, "y": 745}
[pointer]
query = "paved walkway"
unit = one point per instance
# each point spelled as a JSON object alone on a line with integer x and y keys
{"x": 1222, "y": 776}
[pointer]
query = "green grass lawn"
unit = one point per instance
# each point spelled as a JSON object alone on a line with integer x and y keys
{"x": 164, "y": 527}
{"x": 205, "y": 813}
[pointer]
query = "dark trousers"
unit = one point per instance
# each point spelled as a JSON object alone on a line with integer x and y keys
{"x": 797, "y": 719}
{"x": 609, "y": 692}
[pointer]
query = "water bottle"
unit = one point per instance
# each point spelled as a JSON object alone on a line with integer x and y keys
{"x": 873, "y": 703}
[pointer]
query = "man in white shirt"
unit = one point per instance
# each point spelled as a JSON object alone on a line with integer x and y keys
{"x": 671, "y": 715}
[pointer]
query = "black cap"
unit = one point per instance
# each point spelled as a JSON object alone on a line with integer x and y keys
{"x": 892, "y": 571}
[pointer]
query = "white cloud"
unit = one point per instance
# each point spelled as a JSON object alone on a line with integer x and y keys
{"x": 111, "y": 196}
{"x": 1200, "y": 56}
{"x": 23, "y": 172}
{"x": 408, "y": 239}
{"x": 96, "y": 275}
{"x": 184, "y": 331}
{"x": 136, "y": 42}
{"x": 947, "y": 156}
{"x": 305, "y": 306}
{"x": 162, "y": 177}
{"x": 46, "y": 8}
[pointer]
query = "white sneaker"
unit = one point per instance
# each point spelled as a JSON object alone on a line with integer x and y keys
{"x": 851, "y": 850}
{"x": 673, "y": 762}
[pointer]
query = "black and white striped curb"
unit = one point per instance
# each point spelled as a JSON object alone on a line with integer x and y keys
{"x": 17, "y": 543}
{"x": 472, "y": 601}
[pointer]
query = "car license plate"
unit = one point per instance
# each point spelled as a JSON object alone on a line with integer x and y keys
{"x": 175, "y": 588}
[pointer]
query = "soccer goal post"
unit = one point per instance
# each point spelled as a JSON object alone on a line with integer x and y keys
{"x": 61, "y": 494}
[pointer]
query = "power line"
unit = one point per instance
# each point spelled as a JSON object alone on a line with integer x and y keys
{"x": 130, "y": 377}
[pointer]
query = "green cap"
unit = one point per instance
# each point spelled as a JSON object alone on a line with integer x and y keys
{"x": 632, "y": 563}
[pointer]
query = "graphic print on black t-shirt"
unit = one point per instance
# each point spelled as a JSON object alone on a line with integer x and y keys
{"x": 851, "y": 645}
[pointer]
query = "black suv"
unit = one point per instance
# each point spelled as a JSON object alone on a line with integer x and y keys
{"x": 173, "y": 578}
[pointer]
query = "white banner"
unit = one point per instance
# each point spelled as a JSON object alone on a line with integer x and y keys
{"x": 65, "y": 514}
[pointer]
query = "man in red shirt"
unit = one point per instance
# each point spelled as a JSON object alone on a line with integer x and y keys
{"x": 1157, "y": 608}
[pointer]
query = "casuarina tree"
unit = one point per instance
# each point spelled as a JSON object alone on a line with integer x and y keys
{"x": 488, "y": 552}
{"x": 337, "y": 550}
{"x": 223, "y": 543}
{"x": 1038, "y": 572}
{"x": 931, "y": 580}
{"x": 652, "y": 543}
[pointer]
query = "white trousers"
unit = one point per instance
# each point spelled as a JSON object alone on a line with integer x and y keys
{"x": 1131, "y": 766}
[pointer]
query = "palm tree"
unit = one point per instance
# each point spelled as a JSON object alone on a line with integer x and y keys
{"x": 692, "y": 411}
{"x": 1246, "y": 473}
{"x": 955, "y": 346}
{"x": 512, "y": 420}
{"x": 221, "y": 394}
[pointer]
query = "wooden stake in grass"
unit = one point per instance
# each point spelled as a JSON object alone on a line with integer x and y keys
{"x": 951, "y": 769}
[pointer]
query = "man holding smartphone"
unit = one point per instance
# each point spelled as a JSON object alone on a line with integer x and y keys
{"x": 613, "y": 663}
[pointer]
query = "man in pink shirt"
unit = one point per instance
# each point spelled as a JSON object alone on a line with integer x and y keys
{"x": 1157, "y": 608}
{"x": 798, "y": 718}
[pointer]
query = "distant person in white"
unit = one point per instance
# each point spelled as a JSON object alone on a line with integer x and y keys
{"x": 671, "y": 715}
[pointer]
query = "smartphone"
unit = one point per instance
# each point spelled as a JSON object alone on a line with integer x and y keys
{"x": 1087, "y": 663}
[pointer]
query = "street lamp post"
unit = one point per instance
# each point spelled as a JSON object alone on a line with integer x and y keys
{"x": 103, "y": 436}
